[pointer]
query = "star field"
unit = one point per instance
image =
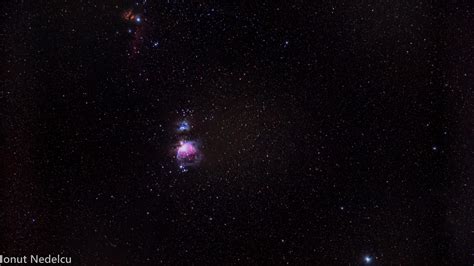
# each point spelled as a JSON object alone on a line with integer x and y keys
{"x": 252, "y": 133}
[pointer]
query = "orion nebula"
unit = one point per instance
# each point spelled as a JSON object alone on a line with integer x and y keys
{"x": 187, "y": 151}
{"x": 188, "y": 154}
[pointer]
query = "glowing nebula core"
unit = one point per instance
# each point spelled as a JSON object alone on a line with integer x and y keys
{"x": 188, "y": 154}
{"x": 187, "y": 151}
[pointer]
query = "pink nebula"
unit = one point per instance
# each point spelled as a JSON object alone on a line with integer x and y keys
{"x": 187, "y": 151}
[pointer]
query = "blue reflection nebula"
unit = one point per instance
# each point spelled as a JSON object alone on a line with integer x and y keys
{"x": 183, "y": 126}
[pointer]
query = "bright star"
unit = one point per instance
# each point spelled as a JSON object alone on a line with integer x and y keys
{"x": 367, "y": 259}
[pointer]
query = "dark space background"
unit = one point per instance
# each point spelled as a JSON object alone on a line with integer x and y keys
{"x": 331, "y": 132}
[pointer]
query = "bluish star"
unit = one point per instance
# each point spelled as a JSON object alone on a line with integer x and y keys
{"x": 367, "y": 259}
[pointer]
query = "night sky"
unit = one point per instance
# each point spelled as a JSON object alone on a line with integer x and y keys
{"x": 249, "y": 133}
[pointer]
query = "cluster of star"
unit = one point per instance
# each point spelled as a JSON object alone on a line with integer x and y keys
{"x": 187, "y": 152}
